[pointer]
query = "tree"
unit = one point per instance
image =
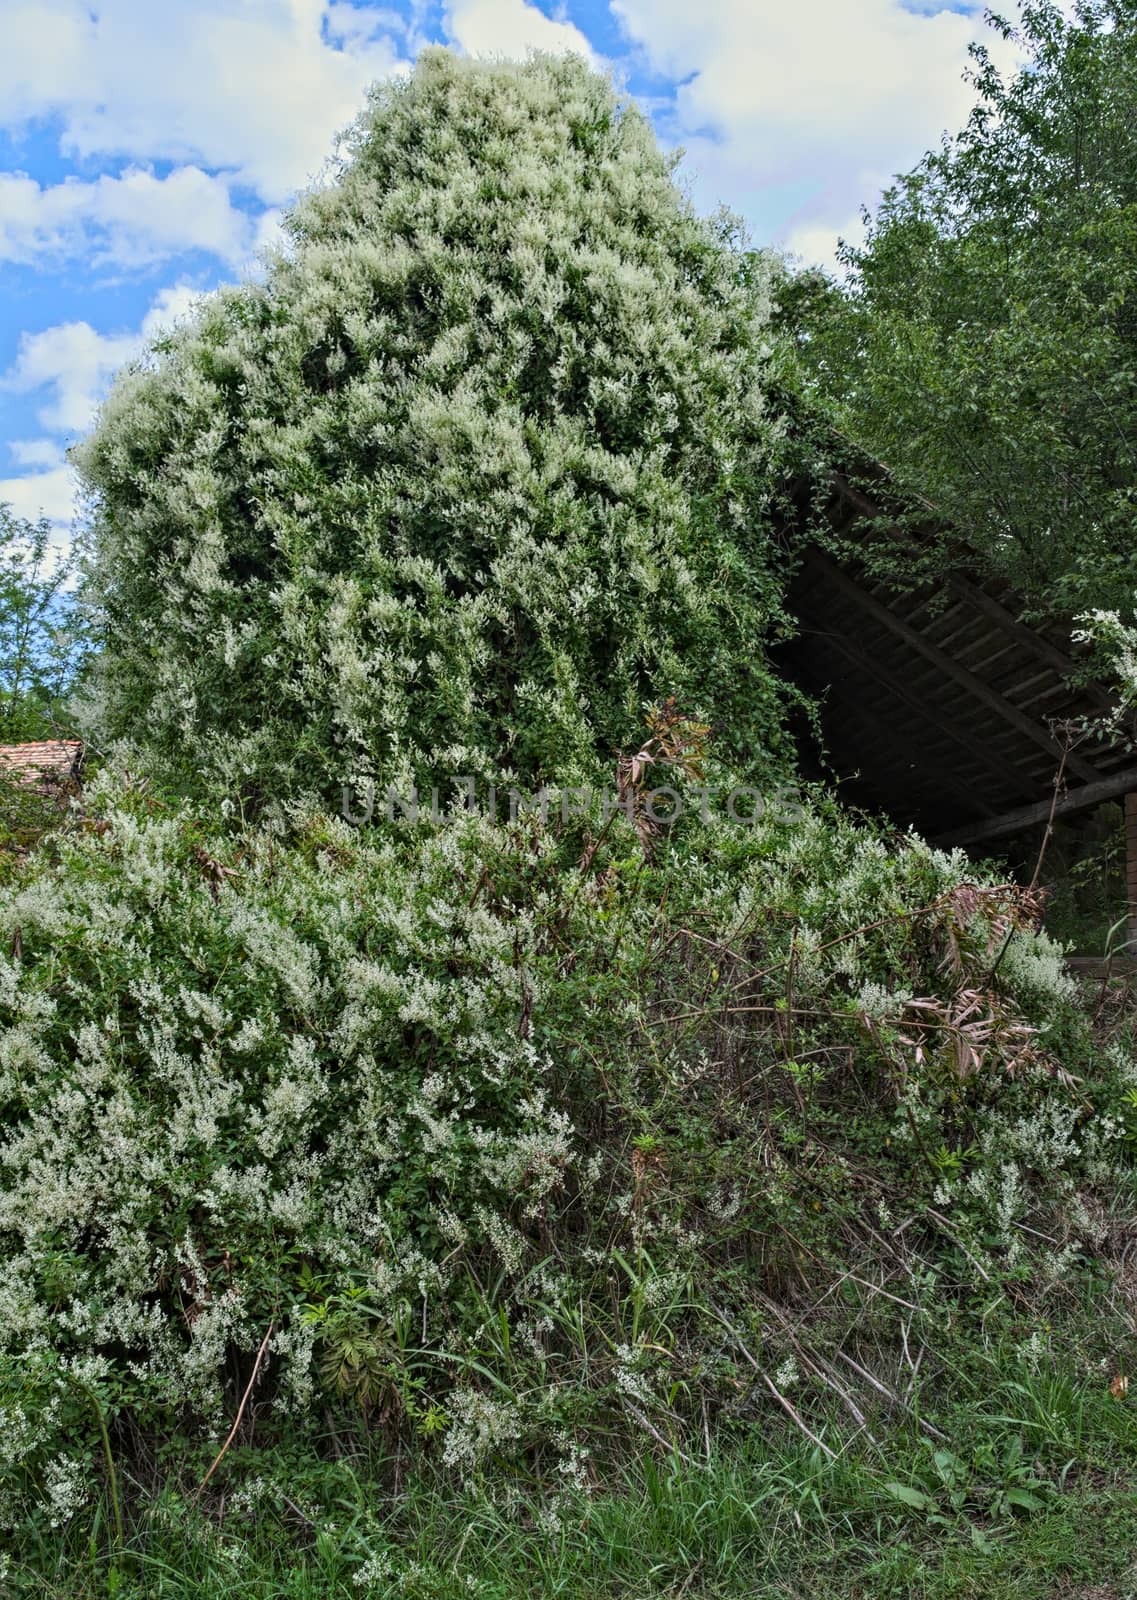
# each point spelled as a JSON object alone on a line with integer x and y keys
{"x": 986, "y": 344}
{"x": 41, "y": 644}
{"x": 480, "y": 468}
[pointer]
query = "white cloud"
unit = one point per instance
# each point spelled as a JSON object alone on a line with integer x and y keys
{"x": 510, "y": 28}
{"x": 42, "y": 494}
{"x": 134, "y": 220}
{"x": 168, "y": 307}
{"x": 70, "y": 365}
{"x": 355, "y": 27}
{"x": 45, "y": 42}
{"x": 258, "y": 90}
{"x": 35, "y": 452}
{"x": 815, "y": 244}
{"x": 269, "y": 234}
{"x": 795, "y": 114}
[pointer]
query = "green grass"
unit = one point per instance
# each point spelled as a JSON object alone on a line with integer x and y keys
{"x": 674, "y": 1530}
{"x": 1030, "y": 1498}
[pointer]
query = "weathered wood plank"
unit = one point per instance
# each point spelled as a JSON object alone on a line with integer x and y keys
{"x": 1026, "y": 636}
{"x": 1088, "y": 794}
{"x": 992, "y": 608}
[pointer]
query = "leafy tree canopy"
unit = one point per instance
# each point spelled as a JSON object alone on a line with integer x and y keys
{"x": 986, "y": 346}
{"x": 41, "y": 642}
{"x": 480, "y": 467}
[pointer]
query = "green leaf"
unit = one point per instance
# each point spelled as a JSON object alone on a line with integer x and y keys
{"x": 916, "y": 1498}
{"x": 1024, "y": 1498}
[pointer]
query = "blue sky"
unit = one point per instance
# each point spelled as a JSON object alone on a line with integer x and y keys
{"x": 148, "y": 146}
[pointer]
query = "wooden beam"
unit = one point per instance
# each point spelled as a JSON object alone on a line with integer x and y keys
{"x": 856, "y": 498}
{"x": 952, "y": 669}
{"x": 975, "y": 751}
{"x": 1089, "y": 794}
{"x": 978, "y": 597}
{"x": 1026, "y": 636}
{"x": 1099, "y": 967}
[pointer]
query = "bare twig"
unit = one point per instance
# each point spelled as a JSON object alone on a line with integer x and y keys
{"x": 1059, "y": 777}
{"x": 888, "y": 1394}
{"x": 821, "y": 1370}
{"x": 794, "y": 1416}
{"x": 240, "y": 1412}
{"x": 945, "y": 1227}
{"x": 645, "y": 1422}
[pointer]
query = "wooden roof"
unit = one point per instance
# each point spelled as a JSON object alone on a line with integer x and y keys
{"x": 938, "y": 706}
{"x": 47, "y": 762}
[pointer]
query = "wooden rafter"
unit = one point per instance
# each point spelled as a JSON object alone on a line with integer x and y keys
{"x": 860, "y": 502}
{"x": 962, "y": 675}
{"x": 978, "y": 598}
{"x": 1088, "y": 794}
{"x": 1027, "y": 637}
{"x": 976, "y": 751}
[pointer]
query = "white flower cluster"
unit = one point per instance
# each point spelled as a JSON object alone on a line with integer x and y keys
{"x": 478, "y": 1423}
{"x": 216, "y": 1087}
{"x": 1119, "y": 638}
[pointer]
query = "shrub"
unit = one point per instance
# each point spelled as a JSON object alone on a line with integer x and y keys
{"x": 481, "y": 467}
{"x": 505, "y": 1133}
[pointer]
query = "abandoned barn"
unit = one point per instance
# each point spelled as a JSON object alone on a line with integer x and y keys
{"x": 938, "y": 706}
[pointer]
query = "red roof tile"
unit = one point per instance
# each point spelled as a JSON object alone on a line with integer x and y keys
{"x": 53, "y": 760}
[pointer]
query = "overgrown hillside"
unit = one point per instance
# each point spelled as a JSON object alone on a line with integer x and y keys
{"x": 508, "y": 1156}
{"x": 692, "y": 1191}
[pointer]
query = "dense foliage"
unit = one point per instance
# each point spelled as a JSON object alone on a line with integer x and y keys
{"x": 512, "y": 1145}
{"x": 985, "y": 346}
{"x": 480, "y": 468}
{"x": 509, "y": 1161}
{"x": 42, "y": 647}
